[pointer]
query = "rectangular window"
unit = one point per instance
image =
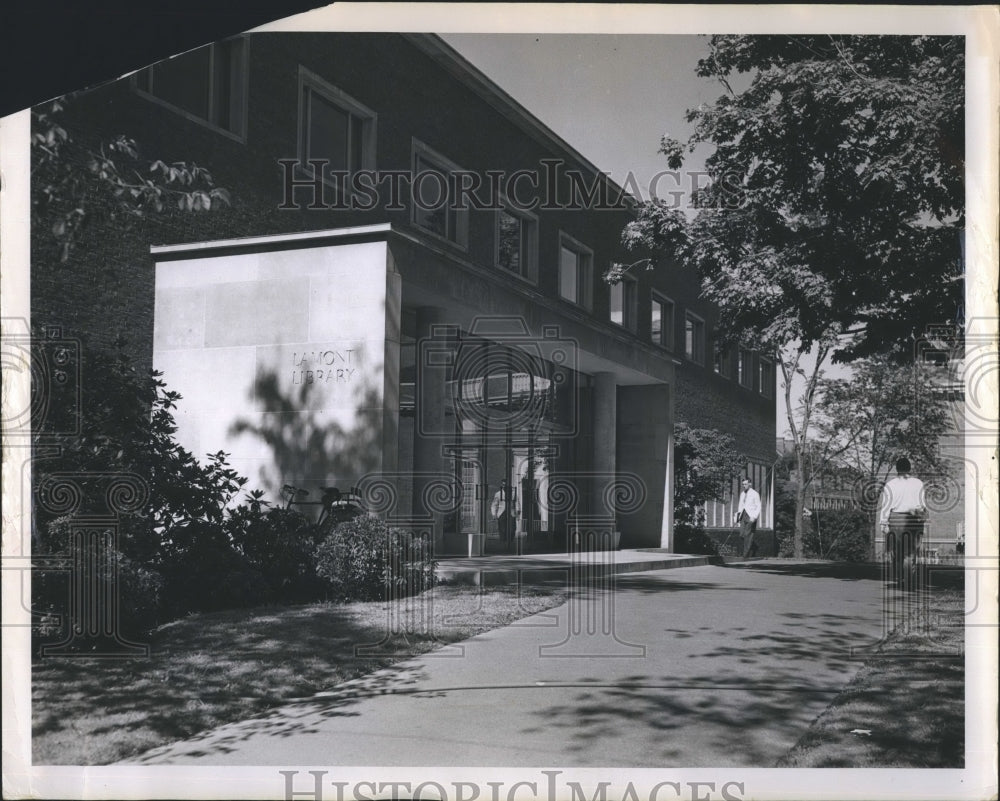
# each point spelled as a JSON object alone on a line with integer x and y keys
{"x": 517, "y": 243}
{"x": 434, "y": 205}
{"x": 207, "y": 85}
{"x": 723, "y": 360}
{"x": 574, "y": 272}
{"x": 745, "y": 368}
{"x": 661, "y": 324}
{"x": 333, "y": 128}
{"x": 694, "y": 338}
{"x": 766, "y": 373}
{"x": 623, "y": 297}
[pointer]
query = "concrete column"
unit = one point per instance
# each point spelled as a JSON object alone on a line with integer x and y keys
{"x": 605, "y": 416}
{"x": 390, "y": 371}
{"x": 667, "y": 526}
{"x": 428, "y": 452}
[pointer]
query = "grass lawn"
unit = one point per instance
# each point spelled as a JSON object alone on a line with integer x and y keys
{"x": 906, "y": 706}
{"x": 210, "y": 669}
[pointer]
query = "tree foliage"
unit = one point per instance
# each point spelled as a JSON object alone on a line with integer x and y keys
{"x": 705, "y": 463}
{"x": 75, "y": 184}
{"x": 836, "y": 195}
{"x": 865, "y": 423}
{"x": 882, "y": 412}
{"x": 833, "y": 216}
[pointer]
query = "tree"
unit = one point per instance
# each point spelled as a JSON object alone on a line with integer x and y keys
{"x": 705, "y": 463}
{"x": 74, "y": 184}
{"x": 832, "y": 220}
{"x": 883, "y": 412}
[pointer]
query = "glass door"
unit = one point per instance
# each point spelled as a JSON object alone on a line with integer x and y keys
{"x": 470, "y": 474}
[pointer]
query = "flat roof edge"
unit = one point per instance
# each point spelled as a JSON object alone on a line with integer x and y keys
{"x": 258, "y": 242}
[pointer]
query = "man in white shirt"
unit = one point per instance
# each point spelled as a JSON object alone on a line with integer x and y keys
{"x": 505, "y": 511}
{"x": 902, "y": 517}
{"x": 746, "y": 515}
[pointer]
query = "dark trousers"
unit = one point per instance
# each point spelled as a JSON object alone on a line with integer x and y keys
{"x": 748, "y": 528}
{"x": 505, "y": 525}
{"x": 902, "y": 542}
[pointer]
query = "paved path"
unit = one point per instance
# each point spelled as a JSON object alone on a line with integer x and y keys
{"x": 710, "y": 665}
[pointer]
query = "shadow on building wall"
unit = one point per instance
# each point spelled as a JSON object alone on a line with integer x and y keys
{"x": 306, "y": 446}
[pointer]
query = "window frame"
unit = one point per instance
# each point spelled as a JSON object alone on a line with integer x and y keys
{"x": 630, "y": 303}
{"x": 723, "y": 367}
{"x": 697, "y": 354}
{"x": 744, "y": 376}
{"x": 585, "y": 272}
{"x": 240, "y": 84}
{"x": 529, "y": 259}
{"x": 420, "y": 151}
{"x": 667, "y": 333}
{"x": 309, "y": 80}
{"x": 766, "y": 389}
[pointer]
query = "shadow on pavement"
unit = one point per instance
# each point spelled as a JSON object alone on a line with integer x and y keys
{"x": 741, "y": 700}
{"x": 847, "y": 571}
{"x": 937, "y": 575}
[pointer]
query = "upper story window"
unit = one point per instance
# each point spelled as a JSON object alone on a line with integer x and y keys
{"x": 623, "y": 296}
{"x": 745, "y": 368}
{"x": 435, "y": 208}
{"x": 661, "y": 322}
{"x": 694, "y": 338}
{"x": 517, "y": 243}
{"x": 723, "y": 360}
{"x": 766, "y": 373}
{"x": 207, "y": 85}
{"x": 334, "y": 129}
{"x": 575, "y": 265}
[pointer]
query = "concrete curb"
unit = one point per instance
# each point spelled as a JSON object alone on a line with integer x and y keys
{"x": 527, "y": 570}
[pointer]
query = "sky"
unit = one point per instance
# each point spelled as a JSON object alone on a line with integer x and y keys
{"x": 612, "y": 97}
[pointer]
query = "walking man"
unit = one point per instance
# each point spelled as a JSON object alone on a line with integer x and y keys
{"x": 505, "y": 511}
{"x": 902, "y": 518}
{"x": 746, "y": 515}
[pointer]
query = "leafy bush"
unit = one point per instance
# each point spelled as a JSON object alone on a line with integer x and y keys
{"x": 205, "y": 573}
{"x": 118, "y": 424}
{"x": 141, "y": 596}
{"x": 841, "y": 535}
{"x": 694, "y": 539}
{"x": 365, "y": 560}
{"x": 126, "y": 426}
{"x": 279, "y": 544}
{"x": 138, "y": 588}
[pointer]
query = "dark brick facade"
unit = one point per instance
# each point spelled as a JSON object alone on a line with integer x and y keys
{"x": 420, "y": 90}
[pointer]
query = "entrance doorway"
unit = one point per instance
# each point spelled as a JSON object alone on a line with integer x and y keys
{"x": 525, "y": 466}
{"x": 511, "y": 406}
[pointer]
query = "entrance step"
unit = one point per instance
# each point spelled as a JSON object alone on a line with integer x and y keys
{"x": 556, "y": 567}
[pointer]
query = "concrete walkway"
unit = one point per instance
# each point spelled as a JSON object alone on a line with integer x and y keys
{"x": 713, "y": 665}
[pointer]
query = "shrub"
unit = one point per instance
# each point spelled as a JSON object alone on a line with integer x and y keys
{"x": 279, "y": 544}
{"x": 140, "y": 593}
{"x": 694, "y": 539}
{"x": 138, "y": 589}
{"x": 205, "y": 573}
{"x": 840, "y": 535}
{"x": 364, "y": 560}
